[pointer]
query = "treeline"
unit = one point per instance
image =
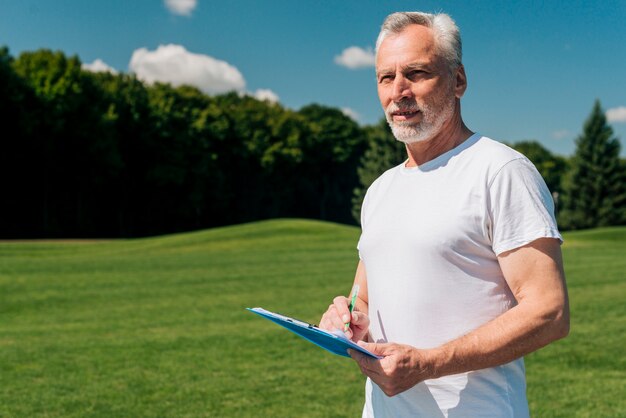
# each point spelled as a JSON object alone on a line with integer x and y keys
{"x": 102, "y": 155}
{"x": 97, "y": 154}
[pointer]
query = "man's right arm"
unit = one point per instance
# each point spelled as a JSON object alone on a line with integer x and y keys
{"x": 338, "y": 313}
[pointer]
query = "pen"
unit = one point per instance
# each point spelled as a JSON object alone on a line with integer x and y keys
{"x": 355, "y": 292}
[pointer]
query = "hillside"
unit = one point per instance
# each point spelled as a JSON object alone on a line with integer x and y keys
{"x": 157, "y": 326}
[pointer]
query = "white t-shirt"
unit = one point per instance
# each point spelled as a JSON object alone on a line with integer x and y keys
{"x": 430, "y": 237}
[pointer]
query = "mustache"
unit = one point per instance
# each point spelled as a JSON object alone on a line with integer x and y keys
{"x": 402, "y": 106}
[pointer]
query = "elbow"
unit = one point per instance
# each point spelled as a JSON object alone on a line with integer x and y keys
{"x": 562, "y": 328}
{"x": 559, "y": 322}
{"x": 553, "y": 310}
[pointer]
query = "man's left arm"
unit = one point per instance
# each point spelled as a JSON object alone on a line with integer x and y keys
{"x": 535, "y": 275}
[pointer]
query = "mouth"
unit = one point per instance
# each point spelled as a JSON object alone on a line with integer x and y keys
{"x": 403, "y": 115}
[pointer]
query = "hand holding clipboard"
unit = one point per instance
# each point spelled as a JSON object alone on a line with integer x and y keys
{"x": 335, "y": 342}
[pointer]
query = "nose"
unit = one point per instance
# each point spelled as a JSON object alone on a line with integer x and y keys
{"x": 401, "y": 88}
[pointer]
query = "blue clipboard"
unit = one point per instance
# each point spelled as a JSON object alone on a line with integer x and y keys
{"x": 335, "y": 342}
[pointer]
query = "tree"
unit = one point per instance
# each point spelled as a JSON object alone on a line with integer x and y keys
{"x": 383, "y": 152}
{"x": 257, "y": 151}
{"x": 121, "y": 209}
{"x": 71, "y": 152}
{"x": 17, "y": 152}
{"x": 332, "y": 151}
{"x": 596, "y": 193}
{"x": 101, "y": 154}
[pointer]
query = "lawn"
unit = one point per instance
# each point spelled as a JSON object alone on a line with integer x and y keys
{"x": 156, "y": 327}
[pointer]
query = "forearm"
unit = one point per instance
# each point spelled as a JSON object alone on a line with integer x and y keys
{"x": 360, "y": 278}
{"x": 518, "y": 332}
{"x": 500, "y": 341}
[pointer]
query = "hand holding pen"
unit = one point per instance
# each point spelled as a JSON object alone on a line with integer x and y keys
{"x": 342, "y": 312}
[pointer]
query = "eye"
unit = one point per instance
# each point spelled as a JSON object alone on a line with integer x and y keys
{"x": 413, "y": 74}
{"x": 385, "y": 78}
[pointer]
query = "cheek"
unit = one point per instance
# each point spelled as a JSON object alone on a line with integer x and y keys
{"x": 384, "y": 98}
{"x": 432, "y": 96}
{"x": 426, "y": 90}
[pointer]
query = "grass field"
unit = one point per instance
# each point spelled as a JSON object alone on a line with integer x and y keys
{"x": 157, "y": 328}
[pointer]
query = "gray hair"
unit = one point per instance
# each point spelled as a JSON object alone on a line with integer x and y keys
{"x": 447, "y": 35}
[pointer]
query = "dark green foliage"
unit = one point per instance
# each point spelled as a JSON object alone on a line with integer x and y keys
{"x": 18, "y": 149}
{"x": 383, "y": 152}
{"x": 89, "y": 154}
{"x": 596, "y": 191}
{"x": 66, "y": 151}
{"x": 332, "y": 153}
{"x": 105, "y": 155}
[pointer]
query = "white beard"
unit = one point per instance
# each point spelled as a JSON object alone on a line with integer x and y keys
{"x": 434, "y": 115}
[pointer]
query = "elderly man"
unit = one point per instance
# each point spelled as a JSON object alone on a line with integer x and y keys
{"x": 460, "y": 270}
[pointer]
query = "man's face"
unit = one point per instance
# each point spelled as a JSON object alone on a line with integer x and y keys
{"x": 415, "y": 88}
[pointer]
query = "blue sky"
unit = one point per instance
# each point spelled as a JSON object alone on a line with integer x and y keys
{"x": 534, "y": 67}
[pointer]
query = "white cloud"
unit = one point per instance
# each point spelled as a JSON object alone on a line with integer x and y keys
{"x": 563, "y": 133}
{"x": 98, "y": 66}
{"x": 181, "y": 7}
{"x": 352, "y": 114}
{"x": 616, "y": 114}
{"x": 267, "y": 95}
{"x": 174, "y": 64}
{"x": 355, "y": 57}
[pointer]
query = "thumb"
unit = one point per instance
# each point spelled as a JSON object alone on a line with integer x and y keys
{"x": 360, "y": 319}
{"x": 376, "y": 348}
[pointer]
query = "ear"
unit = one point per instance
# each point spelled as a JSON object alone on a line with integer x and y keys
{"x": 460, "y": 84}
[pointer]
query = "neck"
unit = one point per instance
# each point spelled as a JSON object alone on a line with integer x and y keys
{"x": 453, "y": 133}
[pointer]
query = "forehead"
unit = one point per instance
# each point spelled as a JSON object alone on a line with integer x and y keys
{"x": 416, "y": 43}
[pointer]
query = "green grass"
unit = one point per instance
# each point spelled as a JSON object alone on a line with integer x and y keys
{"x": 157, "y": 328}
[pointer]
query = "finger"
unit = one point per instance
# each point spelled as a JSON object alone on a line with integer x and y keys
{"x": 360, "y": 319}
{"x": 336, "y": 321}
{"x": 369, "y": 366}
{"x": 325, "y": 324}
{"x": 358, "y": 358}
{"x": 330, "y": 320}
{"x": 381, "y": 349}
{"x": 356, "y": 355}
{"x": 341, "y": 304}
{"x": 325, "y": 319}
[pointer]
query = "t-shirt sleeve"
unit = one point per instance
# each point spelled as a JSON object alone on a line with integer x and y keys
{"x": 521, "y": 207}
{"x": 363, "y": 211}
